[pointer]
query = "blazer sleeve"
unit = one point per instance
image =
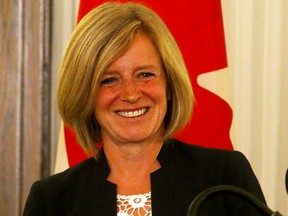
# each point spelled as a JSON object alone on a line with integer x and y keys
{"x": 238, "y": 172}
{"x": 35, "y": 203}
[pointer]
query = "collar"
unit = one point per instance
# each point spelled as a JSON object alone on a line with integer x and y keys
{"x": 161, "y": 181}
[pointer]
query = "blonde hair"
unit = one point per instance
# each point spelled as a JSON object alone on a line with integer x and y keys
{"x": 100, "y": 38}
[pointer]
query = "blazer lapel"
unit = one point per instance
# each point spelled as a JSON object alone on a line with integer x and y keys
{"x": 97, "y": 195}
{"x": 162, "y": 186}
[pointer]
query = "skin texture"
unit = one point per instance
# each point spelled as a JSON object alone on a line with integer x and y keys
{"x": 131, "y": 102}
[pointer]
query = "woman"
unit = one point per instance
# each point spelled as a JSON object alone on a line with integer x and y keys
{"x": 124, "y": 85}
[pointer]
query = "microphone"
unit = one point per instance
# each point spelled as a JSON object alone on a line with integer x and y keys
{"x": 286, "y": 180}
{"x": 193, "y": 208}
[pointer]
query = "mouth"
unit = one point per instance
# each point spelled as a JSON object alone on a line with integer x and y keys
{"x": 133, "y": 114}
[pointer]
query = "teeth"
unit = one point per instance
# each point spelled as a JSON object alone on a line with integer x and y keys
{"x": 131, "y": 114}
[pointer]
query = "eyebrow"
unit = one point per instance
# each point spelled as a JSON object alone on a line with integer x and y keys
{"x": 142, "y": 67}
{"x": 137, "y": 68}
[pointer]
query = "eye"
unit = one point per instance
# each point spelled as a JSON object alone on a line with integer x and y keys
{"x": 146, "y": 74}
{"x": 108, "y": 81}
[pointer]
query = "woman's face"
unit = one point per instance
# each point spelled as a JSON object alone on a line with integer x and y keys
{"x": 132, "y": 101}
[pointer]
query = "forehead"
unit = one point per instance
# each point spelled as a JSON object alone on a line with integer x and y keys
{"x": 141, "y": 52}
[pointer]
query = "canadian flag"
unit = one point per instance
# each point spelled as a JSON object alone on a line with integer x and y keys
{"x": 198, "y": 29}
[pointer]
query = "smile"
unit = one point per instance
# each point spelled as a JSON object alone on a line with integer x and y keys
{"x": 132, "y": 114}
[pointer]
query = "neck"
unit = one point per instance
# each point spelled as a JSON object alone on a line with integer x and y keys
{"x": 130, "y": 157}
{"x": 131, "y": 165}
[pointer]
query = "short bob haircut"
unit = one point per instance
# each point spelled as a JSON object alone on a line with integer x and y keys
{"x": 101, "y": 37}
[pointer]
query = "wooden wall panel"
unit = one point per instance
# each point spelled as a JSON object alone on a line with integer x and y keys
{"x": 10, "y": 103}
{"x": 24, "y": 99}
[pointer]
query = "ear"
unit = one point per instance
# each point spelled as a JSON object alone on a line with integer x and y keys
{"x": 168, "y": 93}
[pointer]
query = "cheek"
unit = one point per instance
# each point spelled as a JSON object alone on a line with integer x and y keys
{"x": 159, "y": 96}
{"x": 159, "y": 90}
{"x": 105, "y": 97}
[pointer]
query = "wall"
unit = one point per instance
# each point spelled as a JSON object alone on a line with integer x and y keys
{"x": 256, "y": 36}
{"x": 64, "y": 19}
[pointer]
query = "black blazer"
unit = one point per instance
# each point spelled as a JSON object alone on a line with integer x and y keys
{"x": 186, "y": 170}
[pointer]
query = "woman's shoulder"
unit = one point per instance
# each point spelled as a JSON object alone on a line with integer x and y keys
{"x": 195, "y": 154}
{"x": 207, "y": 164}
{"x": 68, "y": 176}
{"x": 195, "y": 150}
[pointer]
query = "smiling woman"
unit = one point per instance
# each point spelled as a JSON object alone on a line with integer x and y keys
{"x": 124, "y": 84}
{"x": 131, "y": 107}
{"x": 102, "y": 39}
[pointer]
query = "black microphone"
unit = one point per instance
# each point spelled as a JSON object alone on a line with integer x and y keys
{"x": 286, "y": 180}
{"x": 195, "y": 204}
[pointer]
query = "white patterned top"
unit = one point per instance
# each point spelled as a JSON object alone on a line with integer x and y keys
{"x": 134, "y": 205}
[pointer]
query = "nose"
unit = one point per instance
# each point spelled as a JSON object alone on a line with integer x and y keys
{"x": 130, "y": 91}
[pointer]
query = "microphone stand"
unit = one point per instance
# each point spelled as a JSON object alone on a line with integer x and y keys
{"x": 193, "y": 208}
